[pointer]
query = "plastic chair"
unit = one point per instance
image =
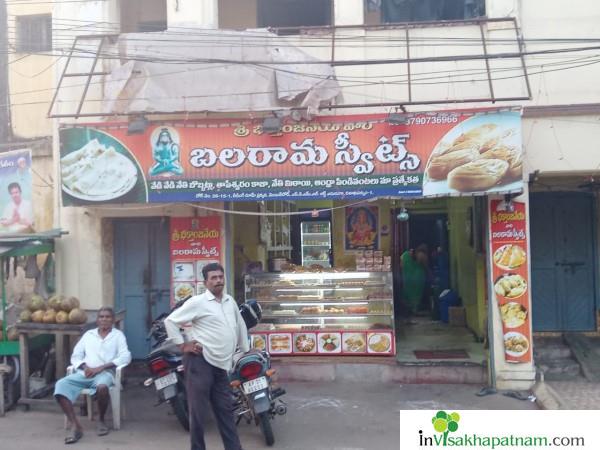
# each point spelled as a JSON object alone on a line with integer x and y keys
{"x": 117, "y": 407}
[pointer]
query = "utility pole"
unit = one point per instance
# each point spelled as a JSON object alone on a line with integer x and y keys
{"x": 5, "y": 132}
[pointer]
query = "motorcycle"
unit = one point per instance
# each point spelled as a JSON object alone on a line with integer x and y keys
{"x": 256, "y": 400}
{"x": 165, "y": 363}
{"x": 251, "y": 380}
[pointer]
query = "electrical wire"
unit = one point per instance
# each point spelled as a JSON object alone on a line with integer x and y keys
{"x": 330, "y": 106}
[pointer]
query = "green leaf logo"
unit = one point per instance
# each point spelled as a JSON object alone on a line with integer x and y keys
{"x": 444, "y": 422}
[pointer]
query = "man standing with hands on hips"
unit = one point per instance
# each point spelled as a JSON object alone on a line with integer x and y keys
{"x": 217, "y": 329}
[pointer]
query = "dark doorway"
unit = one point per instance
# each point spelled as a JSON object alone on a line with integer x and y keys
{"x": 420, "y": 232}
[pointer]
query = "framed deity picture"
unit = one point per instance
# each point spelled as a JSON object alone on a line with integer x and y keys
{"x": 361, "y": 230}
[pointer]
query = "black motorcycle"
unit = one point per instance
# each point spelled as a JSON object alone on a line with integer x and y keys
{"x": 256, "y": 400}
{"x": 166, "y": 366}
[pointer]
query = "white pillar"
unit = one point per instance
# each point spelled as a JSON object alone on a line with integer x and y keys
{"x": 349, "y": 12}
{"x": 193, "y": 13}
{"x": 519, "y": 376}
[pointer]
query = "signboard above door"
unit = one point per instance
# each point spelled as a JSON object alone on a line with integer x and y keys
{"x": 335, "y": 157}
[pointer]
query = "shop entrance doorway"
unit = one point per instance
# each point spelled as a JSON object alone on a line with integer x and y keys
{"x": 427, "y": 236}
{"x": 142, "y": 276}
{"x": 562, "y": 261}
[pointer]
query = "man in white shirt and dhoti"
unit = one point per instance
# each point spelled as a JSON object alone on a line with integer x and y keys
{"x": 95, "y": 357}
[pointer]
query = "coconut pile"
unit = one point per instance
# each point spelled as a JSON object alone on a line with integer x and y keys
{"x": 59, "y": 309}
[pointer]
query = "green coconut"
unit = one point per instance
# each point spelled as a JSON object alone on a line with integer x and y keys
{"x": 37, "y": 316}
{"x": 77, "y": 316}
{"x": 54, "y": 302}
{"x": 62, "y": 317}
{"x": 36, "y": 303}
{"x": 25, "y": 316}
{"x": 49, "y": 316}
{"x": 74, "y": 302}
{"x": 66, "y": 304}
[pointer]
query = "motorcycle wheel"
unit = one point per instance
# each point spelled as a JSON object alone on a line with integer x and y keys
{"x": 180, "y": 408}
{"x": 264, "y": 421}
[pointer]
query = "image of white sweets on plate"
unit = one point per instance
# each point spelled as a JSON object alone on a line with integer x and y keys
{"x": 97, "y": 173}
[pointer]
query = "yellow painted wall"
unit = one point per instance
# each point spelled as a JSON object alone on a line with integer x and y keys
{"x": 467, "y": 269}
{"x": 247, "y": 247}
{"x": 237, "y": 14}
{"x": 30, "y": 78}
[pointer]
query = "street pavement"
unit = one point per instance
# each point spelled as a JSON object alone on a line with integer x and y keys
{"x": 576, "y": 394}
{"x": 321, "y": 416}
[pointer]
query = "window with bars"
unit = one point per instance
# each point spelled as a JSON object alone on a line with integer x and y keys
{"x": 277, "y": 227}
{"x": 397, "y": 11}
{"x": 34, "y": 33}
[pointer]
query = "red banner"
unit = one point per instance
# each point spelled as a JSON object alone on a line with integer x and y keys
{"x": 510, "y": 276}
{"x": 195, "y": 242}
{"x": 332, "y": 157}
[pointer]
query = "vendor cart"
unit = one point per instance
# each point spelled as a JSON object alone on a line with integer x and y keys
{"x": 18, "y": 245}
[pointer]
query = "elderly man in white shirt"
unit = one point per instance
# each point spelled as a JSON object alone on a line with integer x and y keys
{"x": 96, "y": 355}
{"x": 217, "y": 330}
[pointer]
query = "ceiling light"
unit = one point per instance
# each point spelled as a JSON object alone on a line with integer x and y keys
{"x": 403, "y": 215}
{"x": 272, "y": 125}
{"x": 138, "y": 125}
{"x": 397, "y": 119}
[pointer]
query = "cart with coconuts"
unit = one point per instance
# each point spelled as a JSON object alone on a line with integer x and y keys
{"x": 17, "y": 246}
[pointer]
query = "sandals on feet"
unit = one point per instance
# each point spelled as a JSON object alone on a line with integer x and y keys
{"x": 102, "y": 429}
{"x": 73, "y": 436}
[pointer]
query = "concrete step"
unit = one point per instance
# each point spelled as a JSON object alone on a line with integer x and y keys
{"x": 549, "y": 353}
{"x": 560, "y": 369}
{"x": 369, "y": 370}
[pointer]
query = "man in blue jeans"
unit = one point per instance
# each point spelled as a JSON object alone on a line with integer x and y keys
{"x": 217, "y": 329}
{"x": 96, "y": 355}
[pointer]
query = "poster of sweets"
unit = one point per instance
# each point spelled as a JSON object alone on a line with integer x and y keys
{"x": 320, "y": 342}
{"x": 195, "y": 242}
{"x": 510, "y": 276}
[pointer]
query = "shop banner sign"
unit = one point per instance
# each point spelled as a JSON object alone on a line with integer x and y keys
{"x": 15, "y": 192}
{"x": 335, "y": 157}
{"x": 195, "y": 242}
{"x": 510, "y": 276}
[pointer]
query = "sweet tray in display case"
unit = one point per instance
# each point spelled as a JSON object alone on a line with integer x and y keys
{"x": 324, "y": 313}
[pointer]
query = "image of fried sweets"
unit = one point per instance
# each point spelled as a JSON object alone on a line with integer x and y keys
{"x": 354, "y": 343}
{"x": 478, "y": 175}
{"x": 513, "y": 314}
{"x": 515, "y": 343}
{"x": 510, "y": 286}
{"x": 439, "y": 166}
{"x": 258, "y": 342}
{"x": 183, "y": 291}
{"x": 509, "y": 256}
{"x": 512, "y": 155}
{"x": 478, "y": 134}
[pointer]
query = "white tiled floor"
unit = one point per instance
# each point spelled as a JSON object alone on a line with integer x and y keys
{"x": 427, "y": 334}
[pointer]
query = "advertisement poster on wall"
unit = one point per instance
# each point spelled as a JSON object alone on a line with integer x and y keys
{"x": 16, "y": 192}
{"x": 329, "y": 157}
{"x": 195, "y": 242}
{"x": 362, "y": 227}
{"x": 510, "y": 276}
